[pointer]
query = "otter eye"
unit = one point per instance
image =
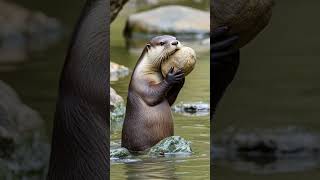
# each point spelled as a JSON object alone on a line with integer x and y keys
{"x": 162, "y": 43}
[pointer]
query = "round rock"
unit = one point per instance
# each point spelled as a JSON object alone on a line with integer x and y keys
{"x": 184, "y": 59}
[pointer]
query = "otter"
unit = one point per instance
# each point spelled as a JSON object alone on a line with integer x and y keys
{"x": 148, "y": 117}
{"x": 80, "y": 138}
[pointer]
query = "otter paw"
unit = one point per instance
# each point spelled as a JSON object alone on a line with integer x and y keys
{"x": 174, "y": 77}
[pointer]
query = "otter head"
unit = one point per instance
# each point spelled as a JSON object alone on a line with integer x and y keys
{"x": 160, "y": 48}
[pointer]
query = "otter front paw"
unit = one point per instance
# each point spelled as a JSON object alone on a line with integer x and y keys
{"x": 174, "y": 78}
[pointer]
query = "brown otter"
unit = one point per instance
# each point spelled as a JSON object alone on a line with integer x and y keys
{"x": 148, "y": 116}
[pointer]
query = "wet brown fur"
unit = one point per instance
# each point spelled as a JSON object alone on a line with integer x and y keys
{"x": 148, "y": 117}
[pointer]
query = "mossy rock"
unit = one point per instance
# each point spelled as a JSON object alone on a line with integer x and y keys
{"x": 171, "y": 145}
{"x": 184, "y": 59}
{"x": 119, "y": 153}
{"x": 118, "y": 112}
{"x": 247, "y": 18}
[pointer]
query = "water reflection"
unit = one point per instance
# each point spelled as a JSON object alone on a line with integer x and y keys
{"x": 150, "y": 169}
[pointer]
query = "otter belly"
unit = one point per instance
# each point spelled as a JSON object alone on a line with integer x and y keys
{"x": 144, "y": 125}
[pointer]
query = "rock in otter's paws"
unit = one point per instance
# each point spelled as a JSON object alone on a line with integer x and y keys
{"x": 245, "y": 17}
{"x": 184, "y": 59}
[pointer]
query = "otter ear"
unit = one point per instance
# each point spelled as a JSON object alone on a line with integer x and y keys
{"x": 148, "y": 46}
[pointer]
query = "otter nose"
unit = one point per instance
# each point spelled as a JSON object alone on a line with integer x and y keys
{"x": 175, "y": 43}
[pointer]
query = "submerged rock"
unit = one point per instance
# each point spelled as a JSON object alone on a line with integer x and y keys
{"x": 268, "y": 150}
{"x": 171, "y": 145}
{"x": 192, "y": 108}
{"x": 119, "y": 153}
{"x": 275, "y": 142}
{"x": 174, "y": 145}
{"x": 117, "y": 71}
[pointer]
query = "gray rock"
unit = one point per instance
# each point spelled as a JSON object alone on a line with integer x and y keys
{"x": 119, "y": 153}
{"x": 23, "y": 31}
{"x": 17, "y": 120}
{"x": 183, "y": 22}
{"x": 171, "y": 145}
{"x": 116, "y": 118}
{"x": 24, "y": 154}
{"x": 117, "y": 110}
{"x": 14, "y": 114}
{"x": 29, "y": 160}
{"x": 267, "y": 151}
{"x": 275, "y": 142}
{"x": 117, "y": 71}
{"x": 115, "y": 98}
{"x": 192, "y": 108}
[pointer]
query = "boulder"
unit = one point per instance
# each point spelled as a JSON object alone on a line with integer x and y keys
{"x": 179, "y": 21}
